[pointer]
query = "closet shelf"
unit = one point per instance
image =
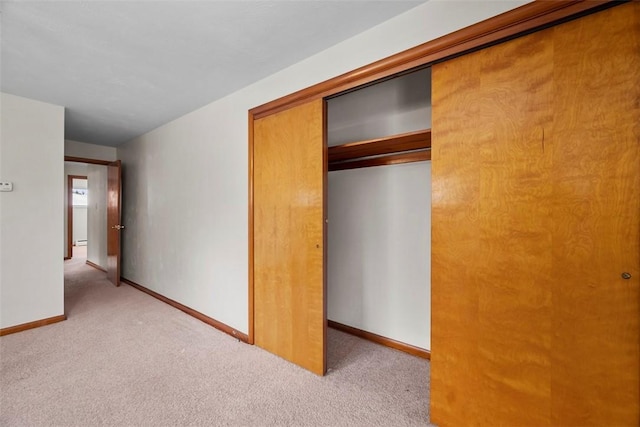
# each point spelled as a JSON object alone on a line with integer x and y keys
{"x": 410, "y": 141}
{"x": 389, "y": 159}
{"x": 402, "y": 148}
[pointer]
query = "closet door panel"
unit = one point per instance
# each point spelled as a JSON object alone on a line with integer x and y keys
{"x": 596, "y": 206}
{"x": 536, "y": 216}
{"x": 491, "y": 301}
{"x": 289, "y": 284}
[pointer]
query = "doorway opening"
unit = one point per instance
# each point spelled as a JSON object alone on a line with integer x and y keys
{"x": 77, "y": 216}
{"x": 378, "y": 208}
{"x": 86, "y": 224}
{"x": 99, "y": 203}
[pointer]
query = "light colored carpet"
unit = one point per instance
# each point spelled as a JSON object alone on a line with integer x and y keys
{"x": 79, "y": 252}
{"x": 124, "y": 358}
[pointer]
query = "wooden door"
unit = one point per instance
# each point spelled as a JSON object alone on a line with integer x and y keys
{"x": 114, "y": 228}
{"x": 289, "y": 243}
{"x": 595, "y": 356}
{"x": 535, "y": 218}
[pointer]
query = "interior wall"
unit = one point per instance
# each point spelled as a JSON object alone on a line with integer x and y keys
{"x": 97, "y": 215}
{"x": 31, "y": 224}
{"x": 391, "y": 107}
{"x": 379, "y": 251}
{"x": 79, "y": 224}
{"x": 185, "y": 197}
{"x": 70, "y": 168}
{"x": 89, "y": 151}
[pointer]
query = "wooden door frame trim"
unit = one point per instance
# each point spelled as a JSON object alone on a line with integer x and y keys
{"x": 250, "y": 336}
{"x": 70, "y": 179}
{"x": 87, "y": 160}
{"x": 522, "y": 20}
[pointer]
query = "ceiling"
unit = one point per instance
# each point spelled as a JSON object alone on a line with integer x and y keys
{"x": 123, "y": 68}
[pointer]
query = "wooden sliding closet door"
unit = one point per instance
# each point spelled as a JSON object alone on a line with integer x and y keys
{"x": 289, "y": 218}
{"x": 595, "y": 356}
{"x": 535, "y": 219}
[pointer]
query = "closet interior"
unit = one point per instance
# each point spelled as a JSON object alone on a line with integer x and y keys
{"x": 378, "y": 211}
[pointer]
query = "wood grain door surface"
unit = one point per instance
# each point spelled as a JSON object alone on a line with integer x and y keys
{"x": 535, "y": 220}
{"x": 288, "y": 198}
{"x": 114, "y": 198}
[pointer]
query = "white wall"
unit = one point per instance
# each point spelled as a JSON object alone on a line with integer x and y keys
{"x": 79, "y": 223}
{"x": 97, "y": 215}
{"x": 392, "y": 107}
{"x": 79, "y": 183}
{"x": 31, "y": 225}
{"x": 185, "y": 183}
{"x": 89, "y": 151}
{"x": 379, "y": 251}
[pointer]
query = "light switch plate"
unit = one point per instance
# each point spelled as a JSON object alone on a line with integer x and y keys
{"x": 6, "y": 186}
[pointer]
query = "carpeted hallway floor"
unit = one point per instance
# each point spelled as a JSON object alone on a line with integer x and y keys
{"x": 124, "y": 358}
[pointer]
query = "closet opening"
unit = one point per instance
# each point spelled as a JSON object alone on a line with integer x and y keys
{"x": 378, "y": 204}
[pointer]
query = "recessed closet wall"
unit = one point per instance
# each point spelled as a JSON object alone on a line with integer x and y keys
{"x": 394, "y": 106}
{"x": 379, "y": 229}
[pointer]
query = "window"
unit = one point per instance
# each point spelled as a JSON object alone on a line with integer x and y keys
{"x": 80, "y": 196}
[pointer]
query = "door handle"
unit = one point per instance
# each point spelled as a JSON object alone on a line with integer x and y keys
{"x": 118, "y": 227}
